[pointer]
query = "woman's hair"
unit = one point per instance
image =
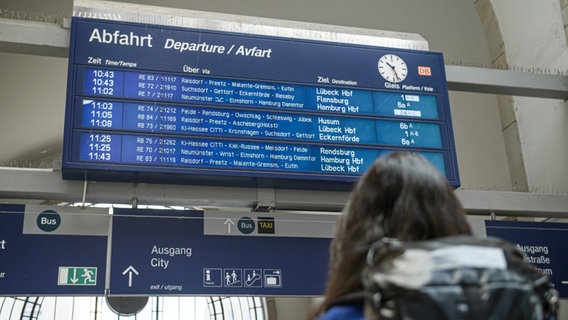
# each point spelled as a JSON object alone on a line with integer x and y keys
{"x": 400, "y": 196}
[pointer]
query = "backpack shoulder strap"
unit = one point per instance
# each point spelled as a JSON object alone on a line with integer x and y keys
{"x": 350, "y": 298}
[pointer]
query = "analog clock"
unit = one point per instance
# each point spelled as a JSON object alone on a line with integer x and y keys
{"x": 392, "y": 68}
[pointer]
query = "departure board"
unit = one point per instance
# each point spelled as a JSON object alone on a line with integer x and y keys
{"x": 168, "y": 104}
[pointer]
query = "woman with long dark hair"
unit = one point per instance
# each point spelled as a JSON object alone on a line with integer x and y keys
{"x": 400, "y": 196}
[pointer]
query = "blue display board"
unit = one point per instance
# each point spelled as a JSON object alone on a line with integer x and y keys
{"x": 544, "y": 245}
{"x": 48, "y": 264}
{"x": 182, "y": 105}
{"x": 165, "y": 252}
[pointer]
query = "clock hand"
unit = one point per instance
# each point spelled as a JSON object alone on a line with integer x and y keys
{"x": 393, "y": 70}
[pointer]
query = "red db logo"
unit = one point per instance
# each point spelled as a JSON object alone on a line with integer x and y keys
{"x": 424, "y": 71}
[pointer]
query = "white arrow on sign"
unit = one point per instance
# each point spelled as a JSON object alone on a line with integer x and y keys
{"x": 130, "y": 270}
{"x": 74, "y": 279}
{"x": 229, "y": 222}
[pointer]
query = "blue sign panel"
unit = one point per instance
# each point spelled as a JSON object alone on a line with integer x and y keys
{"x": 48, "y": 264}
{"x": 544, "y": 245}
{"x": 159, "y": 252}
{"x": 182, "y": 105}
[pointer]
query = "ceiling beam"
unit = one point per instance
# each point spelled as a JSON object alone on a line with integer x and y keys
{"x": 35, "y": 38}
{"x": 47, "y": 185}
{"x": 506, "y": 82}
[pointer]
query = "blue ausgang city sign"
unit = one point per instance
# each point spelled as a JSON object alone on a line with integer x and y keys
{"x": 165, "y": 252}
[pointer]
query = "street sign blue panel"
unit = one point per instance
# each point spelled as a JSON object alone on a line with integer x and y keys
{"x": 544, "y": 245}
{"x": 161, "y": 103}
{"x": 157, "y": 252}
{"x": 48, "y": 264}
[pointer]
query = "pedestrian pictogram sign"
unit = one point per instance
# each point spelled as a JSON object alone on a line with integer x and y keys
{"x": 77, "y": 276}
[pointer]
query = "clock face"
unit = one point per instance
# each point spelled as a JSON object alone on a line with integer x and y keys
{"x": 392, "y": 68}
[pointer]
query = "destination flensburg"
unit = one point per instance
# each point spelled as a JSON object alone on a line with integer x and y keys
{"x": 186, "y": 89}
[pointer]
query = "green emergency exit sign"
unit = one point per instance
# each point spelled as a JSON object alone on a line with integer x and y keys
{"x": 77, "y": 276}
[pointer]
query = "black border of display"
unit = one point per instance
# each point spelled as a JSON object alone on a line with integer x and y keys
{"x": 77, "y": 170}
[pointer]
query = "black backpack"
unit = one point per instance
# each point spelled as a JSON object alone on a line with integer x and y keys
{"x": 458, "y": 277}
